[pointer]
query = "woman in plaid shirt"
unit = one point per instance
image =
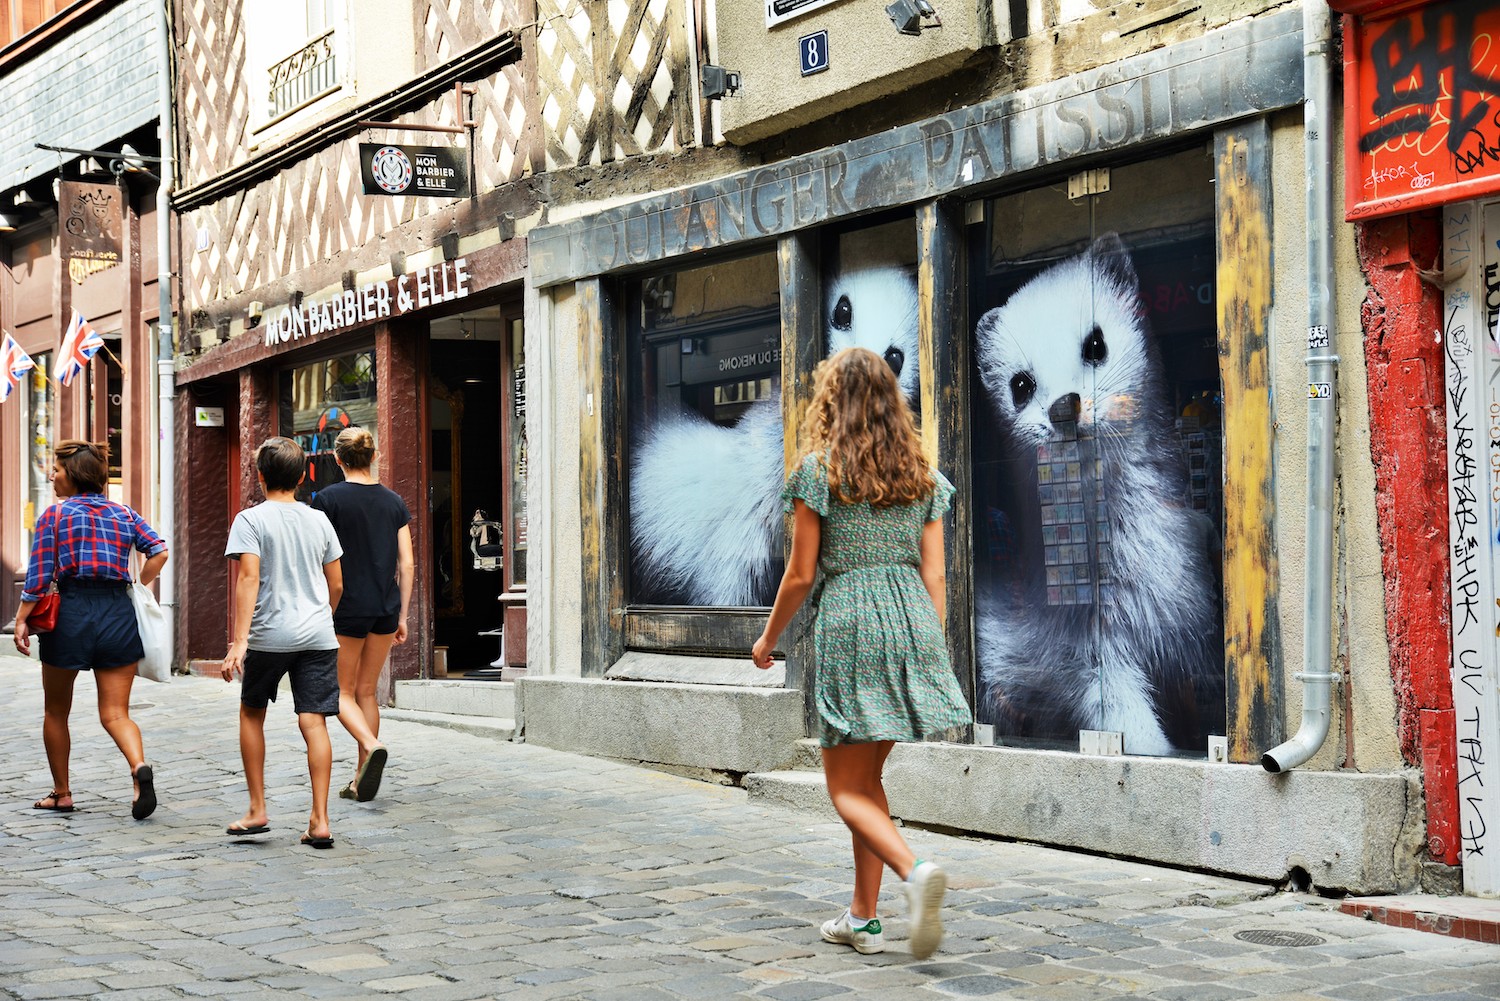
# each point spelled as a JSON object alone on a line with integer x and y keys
{"x": 83, "y": 544}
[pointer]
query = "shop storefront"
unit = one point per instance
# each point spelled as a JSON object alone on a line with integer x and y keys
{"x": 431, "y": 361}
{"x": 1079, "y": 287}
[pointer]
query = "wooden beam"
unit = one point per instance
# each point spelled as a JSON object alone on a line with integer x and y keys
{"x": 1252, "y": 639}
{"x": 799, "y": 263}
{"x": 943, "y": 335}
{"x": 601, "y": 478}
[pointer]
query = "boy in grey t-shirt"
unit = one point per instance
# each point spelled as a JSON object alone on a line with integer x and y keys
{"x": 289, "y": 582}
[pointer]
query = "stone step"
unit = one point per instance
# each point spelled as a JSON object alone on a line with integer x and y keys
{"x": 460, "y": 698}
{"x": 809, "y": 756}
{"x": 800, "y": 789}
{"x": 479, "y": 726}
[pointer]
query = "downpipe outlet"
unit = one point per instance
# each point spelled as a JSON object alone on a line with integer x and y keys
{"x": 1316, "y": 713}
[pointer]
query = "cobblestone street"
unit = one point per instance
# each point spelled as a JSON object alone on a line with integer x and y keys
{"x": 489, "y": 869}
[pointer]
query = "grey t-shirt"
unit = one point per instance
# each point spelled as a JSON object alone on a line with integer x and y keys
{"x": 293, "y": 542}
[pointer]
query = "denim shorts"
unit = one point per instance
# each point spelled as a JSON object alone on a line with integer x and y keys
{"x": 314, "y": 673}
{"x": 360, "y": 626}
{"x": 95, "y": 627}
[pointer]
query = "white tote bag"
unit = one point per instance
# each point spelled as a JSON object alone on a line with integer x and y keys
{"x": 155, "y": 637}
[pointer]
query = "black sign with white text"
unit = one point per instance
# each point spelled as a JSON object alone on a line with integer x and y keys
{"x": 439, "y": 171}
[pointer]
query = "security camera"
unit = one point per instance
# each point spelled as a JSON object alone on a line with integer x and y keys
{"x": 907, "y": 16}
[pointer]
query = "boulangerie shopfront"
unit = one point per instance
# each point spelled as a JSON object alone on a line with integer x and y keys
{"x": 1078, "y": 287}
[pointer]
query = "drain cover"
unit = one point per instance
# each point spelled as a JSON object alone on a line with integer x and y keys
{"x": 1283, "y": 939}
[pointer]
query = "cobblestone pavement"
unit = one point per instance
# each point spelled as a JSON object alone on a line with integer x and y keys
{"x": 489, "y": 869}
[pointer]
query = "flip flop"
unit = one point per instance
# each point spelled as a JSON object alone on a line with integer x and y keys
{"x": 244, "y": 832}
{"x": 41, "y": 804}
{"x": 313, "y": 842}
{"x": 367, "y": 782}
{"x": 348, "y": 792}
{"x": 145, "y": 804}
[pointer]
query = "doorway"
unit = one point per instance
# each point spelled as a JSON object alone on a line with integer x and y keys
{"x": 466, "y": 487}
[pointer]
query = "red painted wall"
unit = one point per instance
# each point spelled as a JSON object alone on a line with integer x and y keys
{"x": 1408, "y": 443}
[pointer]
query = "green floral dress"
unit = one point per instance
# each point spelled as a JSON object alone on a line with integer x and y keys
{"x": 883, "y": 669}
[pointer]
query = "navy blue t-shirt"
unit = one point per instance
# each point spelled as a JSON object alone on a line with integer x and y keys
{"x": 366, "y": 517}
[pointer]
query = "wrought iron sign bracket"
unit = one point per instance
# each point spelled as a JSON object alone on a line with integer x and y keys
{"x": 468, "y": 124}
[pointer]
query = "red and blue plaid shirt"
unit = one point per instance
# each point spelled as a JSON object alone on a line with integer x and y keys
{"x": 87, "y": 536}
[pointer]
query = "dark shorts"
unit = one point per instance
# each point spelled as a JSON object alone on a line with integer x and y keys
{"x": 314, "y": 673}
{"x": 360, "y": 626}
{"x": 95, "y": 627}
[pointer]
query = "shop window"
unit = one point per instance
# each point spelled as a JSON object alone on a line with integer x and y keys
{"x": 1097, "y": 467}
{"x": 320, "y": 400}
{"x": 109, "y": 409}
{"x": 705, "y": 436}
{"x": 38, "y": 402}
{"x": 870, "y": 297}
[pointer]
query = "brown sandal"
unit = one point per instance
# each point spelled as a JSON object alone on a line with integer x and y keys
{"x": 56, "y": 798}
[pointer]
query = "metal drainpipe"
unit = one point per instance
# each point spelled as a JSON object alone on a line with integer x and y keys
{"x": 166, "y": 466}
{"x": 1317, "y": 676}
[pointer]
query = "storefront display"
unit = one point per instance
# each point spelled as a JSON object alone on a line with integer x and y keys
{"x": 320, "y": 400}
{"x": 1096, "y": 471}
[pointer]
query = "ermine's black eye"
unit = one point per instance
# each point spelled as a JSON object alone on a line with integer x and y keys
{"x": 895, "y": 358}
{"x": 1022, "y": 388}
{"x": 1094, "y": 348}
{"x": 843, "y": 313}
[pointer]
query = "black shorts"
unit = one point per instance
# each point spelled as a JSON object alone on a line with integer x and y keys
{"x": 315, "y": 679}
{"x": 360, "y": 626}
{"x": 95, "y": 627}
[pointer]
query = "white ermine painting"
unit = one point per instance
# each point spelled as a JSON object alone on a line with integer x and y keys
{"x": 705, "y": 499}
{"x": 1095, "y": 604}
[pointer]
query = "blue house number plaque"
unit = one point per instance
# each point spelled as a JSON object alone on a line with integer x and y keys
{"x": 814, "y": 50}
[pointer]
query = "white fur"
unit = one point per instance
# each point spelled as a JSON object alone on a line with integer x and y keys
{"x": 883, "y": 315}
{"x": 705, "y": 501}
{"x": 702, "y": 519}
{"x": 1050, "y": 664}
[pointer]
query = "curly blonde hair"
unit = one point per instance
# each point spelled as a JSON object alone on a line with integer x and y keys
{"x": 861, "y": 427}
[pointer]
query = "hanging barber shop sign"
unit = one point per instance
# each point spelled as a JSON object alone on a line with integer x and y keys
{"x": 1424, "y": 122}
{"x": 437, "y": 171}
{"x": 89, "y": 229}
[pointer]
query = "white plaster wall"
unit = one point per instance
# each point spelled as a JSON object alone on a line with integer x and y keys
{"x": 1369, "y": 730}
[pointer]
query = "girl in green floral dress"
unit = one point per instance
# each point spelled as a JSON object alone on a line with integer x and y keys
{"x": 867, "y": 512}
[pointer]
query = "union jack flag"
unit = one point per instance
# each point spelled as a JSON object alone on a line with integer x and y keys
{"x": 79, "y": 345}
{"x": 14, "y": 363}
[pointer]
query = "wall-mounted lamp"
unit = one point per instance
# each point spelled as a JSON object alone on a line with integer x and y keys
{"x": 296, "y": 299}
{"x": 253, "y": 312}
{"x": 450, "y": 246}
{"x": 718, "y": 82}
{"x": 398, "y": 264}
{"x": 907, "y": 16}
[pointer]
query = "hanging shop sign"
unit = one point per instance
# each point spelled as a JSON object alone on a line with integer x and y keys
{"x": 372, "y": 301}
{"x": 437, "y": 171}
{"x": 91, "y": 221}
{"x": 1424, "y": 125}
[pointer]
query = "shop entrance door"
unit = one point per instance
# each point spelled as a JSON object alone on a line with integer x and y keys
{"x": 466, "y": 488}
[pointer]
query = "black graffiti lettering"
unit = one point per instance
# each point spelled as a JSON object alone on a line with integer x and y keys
{"x": 1474, "y": 827}
{"x": 1470, "y": 670}
{"x": 1409, "y": 66}
{"x": 1467, "y": 163}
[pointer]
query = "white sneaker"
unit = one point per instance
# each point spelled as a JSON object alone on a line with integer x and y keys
{"x": 924, "y": 905}
{"x": 866, "y": 939}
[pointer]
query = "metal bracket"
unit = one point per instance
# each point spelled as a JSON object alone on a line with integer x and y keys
{"x": 1089, "y": 182}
